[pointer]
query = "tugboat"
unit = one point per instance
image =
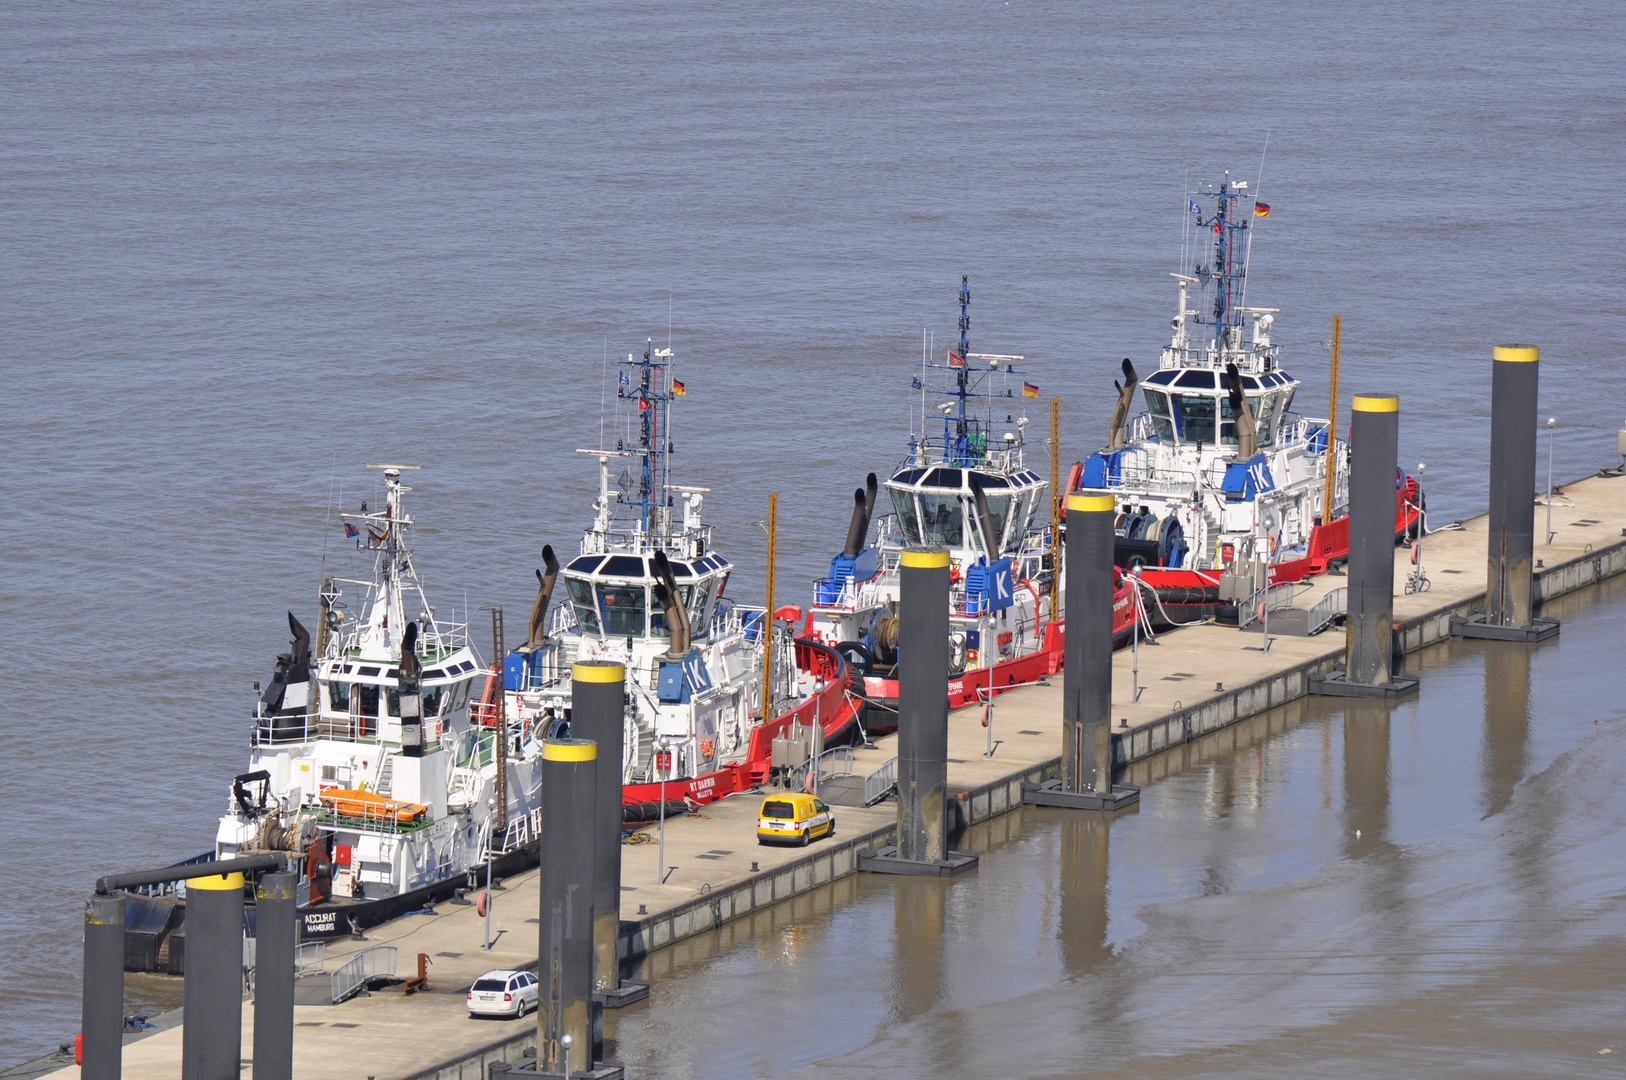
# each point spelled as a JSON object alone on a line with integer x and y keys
{"x": 363, "y": 760}
{"x": 964, "y": 485}
{"x": 1217, "y": 473}
{"x": 647, "y": 591}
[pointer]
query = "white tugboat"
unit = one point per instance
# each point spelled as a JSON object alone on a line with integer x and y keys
{"x": 648, "y": 591}
{"x": 1218, "y": 472}
{"x": 364, "y": 759}
{"x": 966, "y": 486}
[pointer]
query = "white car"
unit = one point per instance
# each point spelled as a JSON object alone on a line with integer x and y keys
{"x": 503, "y": 993}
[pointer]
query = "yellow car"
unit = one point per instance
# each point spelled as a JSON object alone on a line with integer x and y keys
{"x": 793, "y": 819}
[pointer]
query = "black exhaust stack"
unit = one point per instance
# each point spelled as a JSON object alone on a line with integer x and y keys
{"x": 863, "y": 511}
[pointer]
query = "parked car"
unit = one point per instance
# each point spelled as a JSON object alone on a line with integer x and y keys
{"x": 793, "y": 819}
{"x": 503, "y": 993}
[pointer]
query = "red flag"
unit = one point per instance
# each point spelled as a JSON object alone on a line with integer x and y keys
{"x": 643, "y": 404}
{"x": 956, "y": 360}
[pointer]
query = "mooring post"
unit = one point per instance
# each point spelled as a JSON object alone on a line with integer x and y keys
{"x": 212, "y": 1039}
{"x": 1509, "y": 596}
{"x": 565, "y": 954}
{"x": 1086, "y": 703}
{"x": 101, "y": 1009}
{"x": 1369, "y": 629}
{"x": 923, "y": 663}
{"x": 598, "y": 712}
{"x": 923, "y": 666}
{"x": 275, "y": 933}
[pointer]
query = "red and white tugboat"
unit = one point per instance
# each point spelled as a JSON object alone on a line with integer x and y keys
{"x": 1218, "y": 471}
{"x": 965, "y": 485}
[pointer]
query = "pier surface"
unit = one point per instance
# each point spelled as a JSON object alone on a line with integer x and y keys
{"x": 1199, "y": 679}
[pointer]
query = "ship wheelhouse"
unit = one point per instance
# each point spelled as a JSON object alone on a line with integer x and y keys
{"x": 612, "y": 596}
{"x": 938, "y": 506}
{"x": 1183, "y": 405}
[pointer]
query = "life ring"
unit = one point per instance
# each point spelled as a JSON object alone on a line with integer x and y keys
{"x": 706, "y": 747}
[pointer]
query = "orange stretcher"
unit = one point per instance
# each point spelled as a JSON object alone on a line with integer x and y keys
{"x": 349, "y": 802}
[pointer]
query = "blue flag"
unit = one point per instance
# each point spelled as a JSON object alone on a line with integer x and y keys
{"x": 625, "y": 381}
{"x": 1192, "y": 205}
{"x": 914, "y": 384}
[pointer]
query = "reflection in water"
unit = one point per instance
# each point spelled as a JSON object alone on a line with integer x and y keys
{"x": 1083, "y": 931}
{"x": 1366, "y": 777}
{"x": 1505, "y": 747}
{"x": 917, "y": 972}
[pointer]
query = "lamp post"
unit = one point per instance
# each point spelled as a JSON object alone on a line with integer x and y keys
{"x": 491, "y": 823}
{"x": 1551, "y": 423}
{"x": 566, "y": 1041}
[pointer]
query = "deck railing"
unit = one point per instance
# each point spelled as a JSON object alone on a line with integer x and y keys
{"x": 362, "y": 968}
{"x": 881, "y": 783}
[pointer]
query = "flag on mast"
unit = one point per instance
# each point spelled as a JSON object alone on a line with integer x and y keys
{"x": 956, "y": 360}
{"x": 1029, "y": 390}
{"x": 677, "y": 388}
{"x": 1261, "y": 209}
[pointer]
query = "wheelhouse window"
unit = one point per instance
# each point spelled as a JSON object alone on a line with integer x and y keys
{"x": 942, "y": 519}
{"x": 1265, "y": 408}
{"x": 1157, "y": 405}
{"x": 623, "y": 607}
{"x": 908, "y": 519}
{"x": 338, "y": 696}
{"x": 581, "y": 599}
{"x": 1194, "y": 415}
{"x": 1228, "y": 434}
{"x": 367, "y": 696}
{"x": 700, "y": 609}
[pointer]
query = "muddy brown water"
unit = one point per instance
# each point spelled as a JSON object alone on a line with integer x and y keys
{"x": 1330, "y": 889}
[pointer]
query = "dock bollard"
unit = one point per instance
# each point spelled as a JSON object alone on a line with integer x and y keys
{"x": 275, "y": 933}
{"x": 212, "y": 1038}
{"x": 598, "y": 697}
{"x": 923, "y": 662}
{"x": 1369, "y": 627}
{"x": 101, "y": 1015}
{"x": 1086, "y": 712}
{"x": 1509, "y": 599}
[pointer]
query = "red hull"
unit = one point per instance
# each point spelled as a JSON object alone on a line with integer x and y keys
{"x": 1328, "y": 543}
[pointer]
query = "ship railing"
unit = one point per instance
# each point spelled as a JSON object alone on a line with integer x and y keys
{"x": 1139, "y": 478}
{"x": 521, "y": 830}
{"x": 365, "y": 967}
{"x": 284, "y": 730}
{"x": 1139, "y": 429}
{"x": 881, "y": 783}
{"x": 1328, "y": 610}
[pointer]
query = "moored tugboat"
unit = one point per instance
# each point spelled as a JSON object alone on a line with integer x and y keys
{"x": 1218, "y": 473}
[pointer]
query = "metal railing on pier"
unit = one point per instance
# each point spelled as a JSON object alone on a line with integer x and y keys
{"x": 1329, "y": 609}
{"x": 362, "y": 968}
{"x": 881, "y": 783}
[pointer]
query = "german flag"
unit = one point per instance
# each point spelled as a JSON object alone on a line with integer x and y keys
{"x": 1261, "y": 209}
{"x": 1029, "y": 390}
{"x": 677, "y": 388}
